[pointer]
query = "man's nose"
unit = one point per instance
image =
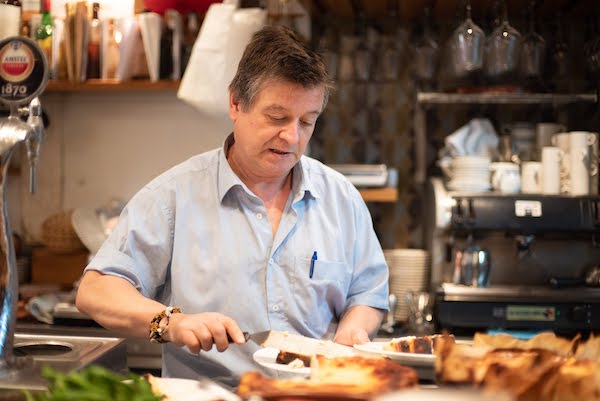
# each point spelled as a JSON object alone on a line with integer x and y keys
{"x": 291, "y": 132}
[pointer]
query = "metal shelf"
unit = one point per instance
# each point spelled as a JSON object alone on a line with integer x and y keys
{"x": 504, "y": 98}
{"x": 426, "y": 99}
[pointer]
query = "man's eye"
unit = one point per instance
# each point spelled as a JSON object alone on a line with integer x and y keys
{"x": 277, "y": 118}
{"x": 307, "y": 123}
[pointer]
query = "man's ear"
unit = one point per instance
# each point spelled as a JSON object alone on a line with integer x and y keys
{"x": 234, "y": 105}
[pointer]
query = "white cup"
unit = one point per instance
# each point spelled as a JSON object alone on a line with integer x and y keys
{"x": 551, "y": 159}
{"x": 506, "y": 177}
{"x": 562, "y": 140}
{"x": 594, "y": 166}
{"x": 582, "y": 167}
{"x": 531, "y": 177}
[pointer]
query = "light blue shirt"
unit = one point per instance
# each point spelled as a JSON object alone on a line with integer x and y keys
{"x": 198, "y": 238}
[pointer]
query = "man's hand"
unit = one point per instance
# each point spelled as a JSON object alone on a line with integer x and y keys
{"x": 357, "y": 324}
{"x": 203, "y": 330}
{"x": 351, "y": 337}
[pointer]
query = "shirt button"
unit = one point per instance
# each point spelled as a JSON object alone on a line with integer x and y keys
{"x": 259, "y": 216}
{"x": 275, "y": 308}
{"x": 271, "y": 261}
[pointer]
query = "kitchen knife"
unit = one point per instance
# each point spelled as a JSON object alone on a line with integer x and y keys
{"x": 259, "y": 337}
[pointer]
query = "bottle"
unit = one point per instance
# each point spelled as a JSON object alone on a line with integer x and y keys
{"x": 10, "y": 18}
{"x": 28, "y": 9}
{"x": 93, "y": 47}
{"x": 110, "y": 51}
{"x": 190, "y": 34}
{"x": 43, "y": 34}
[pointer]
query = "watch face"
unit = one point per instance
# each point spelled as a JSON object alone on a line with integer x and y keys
{"x": 23, "y": 71}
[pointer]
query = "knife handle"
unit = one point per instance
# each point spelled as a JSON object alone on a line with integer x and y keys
{"x": 246, "y": 337}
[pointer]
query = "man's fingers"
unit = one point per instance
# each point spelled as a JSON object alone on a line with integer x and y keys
{"x": 234, "y": 331}
{"x": 189, "y": 339}
{"x": 205, "y": 330}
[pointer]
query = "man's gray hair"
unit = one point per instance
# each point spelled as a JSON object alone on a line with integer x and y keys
{"x": 276, "y": 53}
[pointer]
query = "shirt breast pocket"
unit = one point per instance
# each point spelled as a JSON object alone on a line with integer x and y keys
{"x": 321, "y": 298}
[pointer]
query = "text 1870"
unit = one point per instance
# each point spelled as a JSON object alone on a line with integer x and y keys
{"x": 13, "y": 90}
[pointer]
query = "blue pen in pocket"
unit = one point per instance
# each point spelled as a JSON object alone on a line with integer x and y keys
{"x": 312, "y": 264}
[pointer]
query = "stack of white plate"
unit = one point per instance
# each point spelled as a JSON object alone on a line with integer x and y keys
{"x": 409, "y": 271}
{"x": 470, "y": 173}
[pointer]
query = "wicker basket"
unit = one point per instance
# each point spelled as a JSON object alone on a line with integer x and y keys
{"x": 58, "y": 234}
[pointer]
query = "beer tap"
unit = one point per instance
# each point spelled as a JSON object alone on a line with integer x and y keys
{"x": 23, "y": 77}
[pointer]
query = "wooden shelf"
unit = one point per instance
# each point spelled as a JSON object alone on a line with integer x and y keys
{"x": 388, "y": 194}
{"x": 112, "y": 85}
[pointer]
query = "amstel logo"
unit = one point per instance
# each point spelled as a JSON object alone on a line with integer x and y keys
{"x": 16, "y": 61}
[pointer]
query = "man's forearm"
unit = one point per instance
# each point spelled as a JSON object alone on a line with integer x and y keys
{"x": 115, "y": 304}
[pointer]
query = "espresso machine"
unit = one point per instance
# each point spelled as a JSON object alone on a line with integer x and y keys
{"x": 513, "y": 262}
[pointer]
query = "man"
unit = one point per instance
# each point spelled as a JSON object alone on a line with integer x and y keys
{"x": 253, "y": 236}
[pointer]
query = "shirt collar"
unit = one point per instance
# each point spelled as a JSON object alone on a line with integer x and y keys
{"x": 303, "y": 184}
{"x": 227, "y": 179}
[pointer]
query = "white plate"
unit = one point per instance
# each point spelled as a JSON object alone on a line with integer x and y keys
{"x": 267, "y": 356}
{"x": 193, "y": 390}
{"x": 405, "y": 358}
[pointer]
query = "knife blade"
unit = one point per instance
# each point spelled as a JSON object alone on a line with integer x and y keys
{"x": 259, "y": 337}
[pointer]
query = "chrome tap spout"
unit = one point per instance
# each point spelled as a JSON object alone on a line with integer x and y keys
{"x": 34, "y": 140}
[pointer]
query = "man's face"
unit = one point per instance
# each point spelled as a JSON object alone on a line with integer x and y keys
{"x": 273, "y": 133}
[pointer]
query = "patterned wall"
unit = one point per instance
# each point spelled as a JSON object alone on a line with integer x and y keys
{"x": 369, "y": 117}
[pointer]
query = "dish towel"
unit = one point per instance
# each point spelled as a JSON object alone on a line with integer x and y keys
{"x": 42, "y": 306}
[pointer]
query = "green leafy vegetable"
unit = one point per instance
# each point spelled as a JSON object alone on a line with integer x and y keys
{"x": 94, "y": 383}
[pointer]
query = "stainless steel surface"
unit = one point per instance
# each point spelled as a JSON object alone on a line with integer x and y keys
{"x": 141, "y": 354}
{"x": 67, "y": 310}
{"x": 258, "y": 337}
{"x": 33, "y": 141}
{"x": 472, "y": 266}
{"x": 504, "y": 98}
{"x": 62, "y": 353}
{"x": 515, "y": 293}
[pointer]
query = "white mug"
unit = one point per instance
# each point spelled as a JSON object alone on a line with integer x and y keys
{"x": 594, "y": 166}
{"x": 531, "y": 177}
{"x": 551, "y": 159}
{"x": 506, "y": 177}
{"x": 562, "y": 140}
{"x": 583, "y": 162}
{"x": 580, "y": 143}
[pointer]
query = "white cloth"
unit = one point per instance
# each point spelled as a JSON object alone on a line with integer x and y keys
{"x": 476, "y": 138}
{"x": 42, "y": 306}
{"x": 223, "y": 36}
